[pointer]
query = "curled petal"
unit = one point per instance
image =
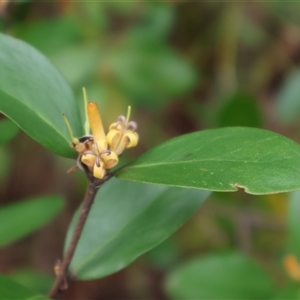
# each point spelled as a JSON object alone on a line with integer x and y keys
{"x": 113, "y": 138}
{"x": 121, "y": 119}
{"x": 130, "y": 139}
{"x": 118, "y": 142}
{"x": 116, "y": 125}
{"x": 99, "y": 172}
{"x": 89, "y": 160}
{"x": 112, "y": 126}
{"x": 132, "y": 125}
{"x": 109, "y": 159}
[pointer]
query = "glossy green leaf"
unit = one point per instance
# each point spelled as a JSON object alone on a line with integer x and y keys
{"x": 126, "y": 220}
{"x": 21, "y": 218}
{"x": 220, "y": 276}
{"x": 8, "y": 130}
{"x": 225, "y": 159}
{"x": 10, "y": 289}
{"x": 293, "y": 223}
{"x": 34, "y": 95}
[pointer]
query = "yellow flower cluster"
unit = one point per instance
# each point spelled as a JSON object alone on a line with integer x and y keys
{"x": 100, "y": 152}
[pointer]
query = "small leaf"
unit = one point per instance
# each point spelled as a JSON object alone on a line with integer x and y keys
{"x": 220, "y": 276}
{"x": 126, "y": 220}
{"x": 12, "y": 290}
{"x": 224, "y": 159}
{"x": 24, "y": 217}
{"x": 8, "y": 130}
{"x": 34, "y": 95}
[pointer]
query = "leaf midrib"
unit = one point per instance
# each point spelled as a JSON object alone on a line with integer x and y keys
{"x": 205, "y": 160}
{"x": 37, "y": 113}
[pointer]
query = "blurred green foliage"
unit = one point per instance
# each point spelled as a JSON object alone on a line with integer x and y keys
{"x": 183, "y": 67}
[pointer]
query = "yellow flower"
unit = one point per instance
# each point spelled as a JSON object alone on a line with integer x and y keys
{"x": 99, "y": 158}
{"x": 122, "y": 134}
{"x": 99, "y": 152}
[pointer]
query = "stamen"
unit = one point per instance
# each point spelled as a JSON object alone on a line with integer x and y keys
{"x": 121, "y": 119}
{"x": 133, "y": 125}
{"x": 95, "y": 148}
{"x": 128, "y": 113}
{"x": 86, "y": 123}
{"x": 72, "y": 169}
{"x": 104, "y": 152}
{"x": 89, "y": 152}
{"x": 78, "y": 162}
{"x": 98, "y": 161}
{"x": 73, "y": 139}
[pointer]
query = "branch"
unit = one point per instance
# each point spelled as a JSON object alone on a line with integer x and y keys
{"x": 93, "y": 186}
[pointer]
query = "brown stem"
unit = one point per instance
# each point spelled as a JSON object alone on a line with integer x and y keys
{"x": 93, "y": 186}
{"x": 89, "y": 197}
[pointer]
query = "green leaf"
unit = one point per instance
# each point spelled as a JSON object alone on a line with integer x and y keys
{"x": 32, "y": 280}
{"x": 34, "y": 95}
{"x": 293, "y": 223}
{"x": 8, "y": 130}
{"x": 12, "y": 290}
{"x": 126, "y": 220}
{"x": 224, "y": 159}
{"x": 24, "y": 217}
{"x": 220, "y": 276}
{"x": 240, "y": 109}
{"x": 289, "y": 291}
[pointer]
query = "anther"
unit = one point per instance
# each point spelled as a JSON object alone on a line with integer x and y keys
{"x": 98, "y": 161}
{"x": 133, "y": 125}
{"x": 104, "y": 152}
{"x": 121, "y": 119}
